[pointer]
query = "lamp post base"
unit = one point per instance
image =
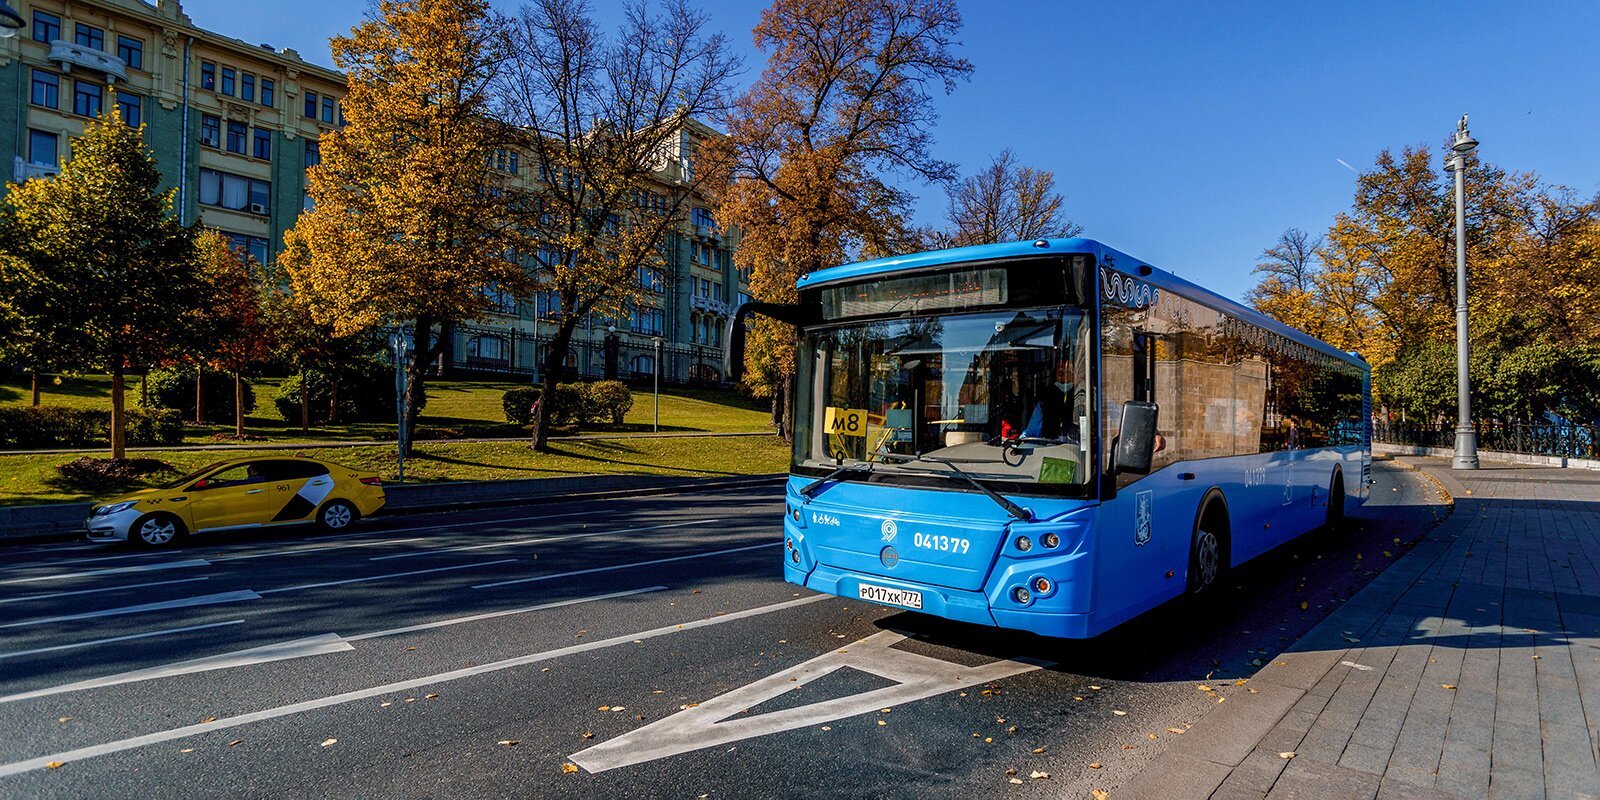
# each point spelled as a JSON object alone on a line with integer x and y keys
{"x": 1466, "y": 456}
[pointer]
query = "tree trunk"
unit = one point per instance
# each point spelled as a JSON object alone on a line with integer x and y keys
{"x": 780, "y": 402}
{"x": 555, "y": 358}
{"x": 238, "y": 405}
{"x": 199, "y": 395}
{"x": 333, "y": 399}
{"x": 36, "y": 388}
{"x": 305, "y": 403}
{"x": 415, "y": 390}
{"x": 119, "y": 423}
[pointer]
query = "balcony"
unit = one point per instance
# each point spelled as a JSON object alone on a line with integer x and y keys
{"x": 700, "y": 303}
{"x": 707, "y": 232}
{"x": 22, "y": 170}
{"x": 72, "y": 54}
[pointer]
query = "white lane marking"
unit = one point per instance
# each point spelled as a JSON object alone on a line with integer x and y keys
{"x": 182, "y": 602}
{"x": 298, "y": 648}
{"x": 381, "y": 577}
{"x": 534, "y": 540}
{"x": 97, "y": 591}
{"x": 492, "y": 614}
{"x": 61, "y": 576}
{"x": 624, "y": 566}
{"x": 295, "y": 551}
{"x": 92, "y": 751}
{"x": 916, "y": 677}
{"x": 93, "y": 642}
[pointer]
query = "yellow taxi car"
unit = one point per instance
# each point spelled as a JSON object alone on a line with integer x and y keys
{"x": 242, "y": 493}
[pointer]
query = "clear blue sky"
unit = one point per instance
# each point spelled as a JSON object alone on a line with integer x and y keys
{"x": 1192, "y": 134}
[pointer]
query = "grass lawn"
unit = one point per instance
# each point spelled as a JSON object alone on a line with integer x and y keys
{"x": 456, "y": 409}
{"x": 33, "y": 479}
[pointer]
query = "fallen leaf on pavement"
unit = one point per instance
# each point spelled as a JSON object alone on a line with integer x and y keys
{"x": 1038, "y": 749}
{"x": 235, "y": 742}
{"x": 1120, "y": 712}
{"x": 187, "y": 750}
{"x": 411, "y": 648}
{"x": 1286, "y": 755}
{"x": 827, "y": 727}
{"x": 1152, "y": 736}
{"x": 569, "y": 768}
{"x": 881, "y": 722}
{"x": 1039, "y": 776}
{"x": 55, "y": 765}
{"x": 1011, "y": 770}
{"x": 329, "y": 742}
{"x": 1176, "y": 730}
{"x": 988, "y": 740}
{"x": 509, "y": 742}
{"x": 429, "y": 696}
{"x": 385, "y": 705}
{"x": 208, "y": 719}
{"x": 1016, "y": 780}
{"x": 63, "y": 720}
{"x": 1095, "y": 765}
{"x": 605, "y": 708}
{"x": 1099, "y": 794}
{"x": 1095, "y": 688}
{"x": 1447, "y": 686}
{"x": 588, "y": 734}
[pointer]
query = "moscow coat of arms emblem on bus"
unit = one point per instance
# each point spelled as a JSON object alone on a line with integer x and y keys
{"x": 1143, "y": 510}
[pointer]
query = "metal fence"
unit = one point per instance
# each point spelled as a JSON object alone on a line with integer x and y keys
{"x": 518, "y": 354}
{"x": 1545, "y": 439}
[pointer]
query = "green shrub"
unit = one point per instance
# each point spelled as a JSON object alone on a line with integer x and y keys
{"x": 174, "y": 388}
{"x": 101, "y": 475}
{"x": 606, "y": 401}
{"x": 366, "y": 394}
{"x": 40, "y": 427}
{"x": 576, "y": 403}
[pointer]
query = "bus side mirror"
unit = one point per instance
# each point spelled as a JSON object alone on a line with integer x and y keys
{"x": 1136, "y": 439}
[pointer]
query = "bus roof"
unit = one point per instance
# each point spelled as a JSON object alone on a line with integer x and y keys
{"x": 1122, "y": 261}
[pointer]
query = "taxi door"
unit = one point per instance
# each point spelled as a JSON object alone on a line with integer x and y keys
{"x": 295, "y": 487}
{"x": 234, "y": 496}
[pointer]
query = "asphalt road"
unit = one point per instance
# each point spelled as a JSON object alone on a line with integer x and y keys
{"x": 491, "y": 653}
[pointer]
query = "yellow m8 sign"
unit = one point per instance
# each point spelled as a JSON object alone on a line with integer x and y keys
{"x": 845, "y": 421}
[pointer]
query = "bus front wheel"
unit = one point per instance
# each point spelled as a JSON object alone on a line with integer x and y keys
{"x": 1208, "y": 549}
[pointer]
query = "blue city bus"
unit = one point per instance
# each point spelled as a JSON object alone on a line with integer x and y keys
{"x": 1051, "y": 436}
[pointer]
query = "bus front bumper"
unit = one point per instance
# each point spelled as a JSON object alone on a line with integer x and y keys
{"x": 956, "y": 604}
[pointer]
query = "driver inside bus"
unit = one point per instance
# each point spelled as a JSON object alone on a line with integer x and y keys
{"x": 1060, "y": 405}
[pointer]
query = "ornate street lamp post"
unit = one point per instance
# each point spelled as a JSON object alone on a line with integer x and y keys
{"x": 10, "y": 20}
{"x": 1466, "y": 455}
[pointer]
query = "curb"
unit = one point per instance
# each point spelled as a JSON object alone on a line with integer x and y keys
{"x": 1196, "y": 765}
{"x": 322, "y": 445}
{"x": 641, "y": 486}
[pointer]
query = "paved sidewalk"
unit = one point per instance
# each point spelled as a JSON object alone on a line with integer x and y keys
{"x": 1469, "y": 668}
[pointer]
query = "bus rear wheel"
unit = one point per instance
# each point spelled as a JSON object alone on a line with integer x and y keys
{"x": 1208, "y": 550}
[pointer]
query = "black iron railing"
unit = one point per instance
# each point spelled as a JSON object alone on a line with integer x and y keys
{"x": 1545, "y": 439}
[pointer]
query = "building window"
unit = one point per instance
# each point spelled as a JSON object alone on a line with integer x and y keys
{"x": 43, "y": 148}
{"x": 132, "y": 108}
{"x": 236, "y": 137}
{"x": 266, "y": 92}
{"x": 229, "y": 77}
{"x": 644, "y": 365}
{"x": 252, "y": 246}
{"x": 650, "y": 279}
{"x": 488, "y": 348}
{"x": 263, "y": 144}
{"x": 716, "y": 291}
{"x": 46, "y": 27}
{"x": 311, "y": 105}
{"x": 649, "y": 321}
{"x": 89, "y": 36}
{"x": 208, "y": 75}
{"x": 131, "y": 51}
{"x": 327, "y": 109}
{"x": 210, "y": 131}
{"x": 511, "y": 160}
{"x": 247, "y": 87}
{"x": 313, "y": 153}
{"x": 87, "y": 98}
{"x": 226, "y": 190}
{"x": 46, "y": 89}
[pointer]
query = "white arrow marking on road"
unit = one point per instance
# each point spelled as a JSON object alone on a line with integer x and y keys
{"x": 66, "y": 756}
{"x": 917, "y": 677}
{"x": 129, "y": 637}
{"x": 299, "y": 648}
{"x": 197, "y": 562}
{"x": 26, "y": 598}
{"x": 182, "y": 602}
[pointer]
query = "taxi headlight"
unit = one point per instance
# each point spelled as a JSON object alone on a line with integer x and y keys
{"x": 114, "y": 508}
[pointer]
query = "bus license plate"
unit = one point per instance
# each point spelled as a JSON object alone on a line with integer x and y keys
{"x": 894, "y": 597}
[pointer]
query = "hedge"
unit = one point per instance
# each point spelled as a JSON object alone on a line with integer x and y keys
{"x": 366, "y": 394}
{"x": 576, "y": 403}
{"x": 33, "y": 427}
{"x": 174, "y": 388}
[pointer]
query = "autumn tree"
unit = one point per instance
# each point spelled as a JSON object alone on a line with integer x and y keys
{"x": 240, "y": 336}
{"x": 1005, "y": 202}
{"x": 1288, "y": 286}
{"x": 815, "y": 147}
{"x": 410, "y": 225}
{"x": 117, "y": 268}
{"x": 608, "y": 122}
{"x": 28, "y": 322}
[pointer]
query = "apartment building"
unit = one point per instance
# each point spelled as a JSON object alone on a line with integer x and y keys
{"x": 233, "y": 126}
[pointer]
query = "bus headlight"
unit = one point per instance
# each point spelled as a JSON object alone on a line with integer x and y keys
{"x": 1024, "y": 543}
{"x": 1042, "y": 585}
{"x": 1050, "y": 540}
{"x": 1022, "y": 595}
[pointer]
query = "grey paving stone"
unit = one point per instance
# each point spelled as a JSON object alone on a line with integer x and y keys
{"x": 1227, "y": 735}
{"x": 1308, "y": 779}
{"x": 1176, "y": 777}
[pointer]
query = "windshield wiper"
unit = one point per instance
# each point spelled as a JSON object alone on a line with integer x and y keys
{"x": 1011, "y": 508}
{"x": 805, "y": 491}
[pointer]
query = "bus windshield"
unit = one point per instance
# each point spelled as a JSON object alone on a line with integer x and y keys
{"x": 1002, "y": 394}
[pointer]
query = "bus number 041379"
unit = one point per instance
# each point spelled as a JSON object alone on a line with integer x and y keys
{"x": 945, "y": 544}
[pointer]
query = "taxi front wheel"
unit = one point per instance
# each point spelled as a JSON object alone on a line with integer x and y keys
{"x": 155, "y": 530}
{"x": 337, "y": 515}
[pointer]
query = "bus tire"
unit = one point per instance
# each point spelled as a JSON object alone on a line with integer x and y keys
{"x": 1208, "y": 547}
{"x": 1336, "y": 502}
